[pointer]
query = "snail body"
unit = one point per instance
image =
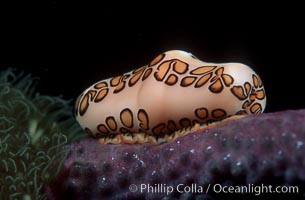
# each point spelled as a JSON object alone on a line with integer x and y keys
{"x": 174, "y": 91}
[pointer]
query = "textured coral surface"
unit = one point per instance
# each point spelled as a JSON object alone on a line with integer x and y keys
{"x": 264, "y": 149}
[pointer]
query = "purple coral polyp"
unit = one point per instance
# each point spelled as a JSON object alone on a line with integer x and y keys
{"x": 263, "y": 149}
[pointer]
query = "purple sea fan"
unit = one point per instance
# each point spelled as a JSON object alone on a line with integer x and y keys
{"x": 266, "y": 149}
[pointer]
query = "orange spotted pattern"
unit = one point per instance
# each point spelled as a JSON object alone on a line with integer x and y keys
{"x": 202, "y": 117}
{"x": 141, "y": 120}
{"x": 171, "y": 72}
{"x": 175, "y": 66}
{"x": 168, "y": 71}
{"x": 248, "y": 93}
{"x": 127, "y": 119}
{"x": 97, "y": 94}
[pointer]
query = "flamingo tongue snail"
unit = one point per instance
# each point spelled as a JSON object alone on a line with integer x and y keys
{"x": 170, "y": 97}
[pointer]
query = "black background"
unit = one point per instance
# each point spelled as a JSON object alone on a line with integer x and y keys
{"x": 72, "y": 45}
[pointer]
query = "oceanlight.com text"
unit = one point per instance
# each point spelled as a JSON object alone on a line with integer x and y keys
{"x": 213, "y": 188}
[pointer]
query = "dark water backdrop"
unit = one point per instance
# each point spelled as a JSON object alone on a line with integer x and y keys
{"x": 71, "y": 45}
